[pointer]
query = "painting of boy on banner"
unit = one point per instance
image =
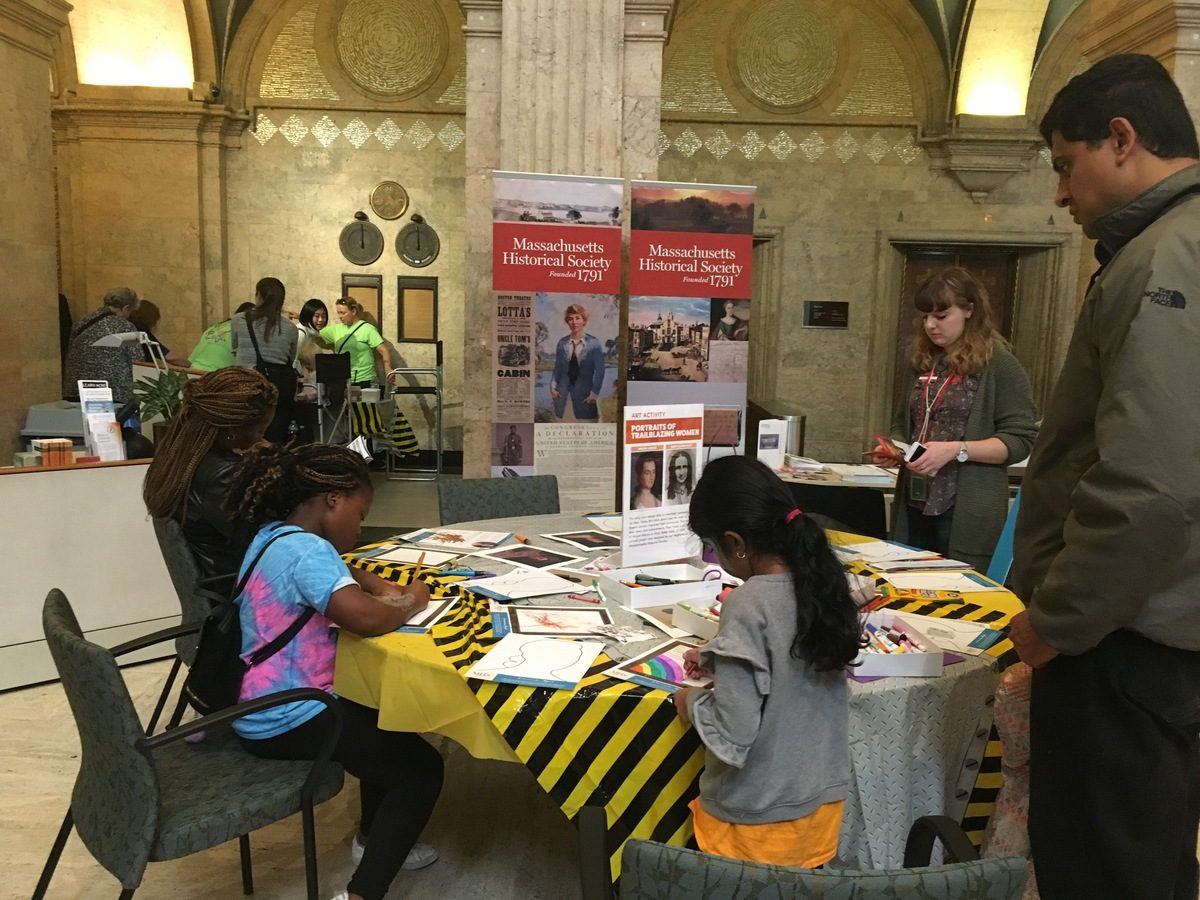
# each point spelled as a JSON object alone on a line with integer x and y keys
{"x": 578, "y": 379}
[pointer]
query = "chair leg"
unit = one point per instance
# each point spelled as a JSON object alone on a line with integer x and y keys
{"x": 177, "y": 716}
{"x": 310, "y": 848}
{"x": 162, "y": 697}
{"x": 126, "y": 894}
{"x": 594, "y": 873}
{"x": 247, "y": 873}
{"x": 55, "y": 852}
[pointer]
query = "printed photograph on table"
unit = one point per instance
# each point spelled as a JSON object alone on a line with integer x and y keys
{"x": 645, "y": 488}
{"x": 457, "y": 539}
{"x": 668, "y": 339}
{"x": 576, "y": 350}
{"x": 588, "y": 540}
{"x": 429, "y": 616}
{"x": 558, "y": 621}
{"x": 528, "y": 557}
{"x": 661, "y": 667}
{"x": 512, "y": 449}
{"x": 409, "y": 556}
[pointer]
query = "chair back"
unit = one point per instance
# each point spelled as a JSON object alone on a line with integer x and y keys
{"x": 1002, "y": 556}
{"x": 652, "y": 871}
{"x": 115, "y": 800}
{"x": 470, "y": 499}
{"x": 185, "y": 576}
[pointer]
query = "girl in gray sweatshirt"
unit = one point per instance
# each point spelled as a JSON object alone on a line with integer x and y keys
{"x": 774, "y": 723}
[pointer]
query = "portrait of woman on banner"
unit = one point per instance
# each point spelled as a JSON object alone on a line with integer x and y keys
{"x": 578, "y": 369}
{"x": 732, "y": 320}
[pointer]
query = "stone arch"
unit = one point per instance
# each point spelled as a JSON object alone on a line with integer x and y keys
{"x": 1061, "y": 58}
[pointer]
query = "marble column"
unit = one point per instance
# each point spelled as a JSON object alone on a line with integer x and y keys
{"x": 30, "y": 371}
{"x": 569, "y": 88}
{"x": 1166, "y": 29}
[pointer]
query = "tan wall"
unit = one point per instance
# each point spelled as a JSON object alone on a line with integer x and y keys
{"x": 30, "y": 369}
{"x": 286, "y": 205}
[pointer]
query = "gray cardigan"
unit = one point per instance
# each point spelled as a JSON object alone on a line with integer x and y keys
{"x": 1003, "y": 408}
{"x": 776, "y": 730}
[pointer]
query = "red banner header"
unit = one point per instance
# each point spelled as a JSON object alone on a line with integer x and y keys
{"x": 663, "y": 431}
{"x": 689, "y": 264}
{"x": 565, "y": 259}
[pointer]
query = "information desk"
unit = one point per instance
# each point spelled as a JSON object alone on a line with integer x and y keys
{"x": 621, "y": 746}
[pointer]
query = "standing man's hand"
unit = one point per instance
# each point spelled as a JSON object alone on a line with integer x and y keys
{"x": 1033, "y": 651}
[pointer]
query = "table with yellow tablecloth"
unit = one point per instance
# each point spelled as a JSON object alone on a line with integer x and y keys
{"x": 619, "y": 745}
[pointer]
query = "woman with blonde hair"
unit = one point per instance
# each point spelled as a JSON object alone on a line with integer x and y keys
{"x": 223, "y": 413}
{"x": 969, "y": 405}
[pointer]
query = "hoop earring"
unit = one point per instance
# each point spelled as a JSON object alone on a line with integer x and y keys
{"x": 741, "y": 555}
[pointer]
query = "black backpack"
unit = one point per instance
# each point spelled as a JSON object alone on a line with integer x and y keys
{"x": 214, "y": 681}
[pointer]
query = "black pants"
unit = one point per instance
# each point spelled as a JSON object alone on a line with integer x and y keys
{"x": 400, "y": 777}
{"x": 1114, "y": 795}
{"x": 283, "y": 376}
{"x": 930, "y": 532}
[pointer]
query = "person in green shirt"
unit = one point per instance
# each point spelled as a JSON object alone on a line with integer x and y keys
{"x": 214, "y": 350}
{"x": 360, "y": 339}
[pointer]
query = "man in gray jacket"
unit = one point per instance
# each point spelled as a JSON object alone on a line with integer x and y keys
{"x": 1107, "y": 548}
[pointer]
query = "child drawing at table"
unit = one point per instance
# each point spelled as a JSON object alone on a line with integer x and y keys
{"x": 316, "y": 496}
{"x": 774, "y": 723}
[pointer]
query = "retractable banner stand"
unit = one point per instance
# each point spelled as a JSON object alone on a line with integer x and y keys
{"x": 690, "y": 250}
{"x": 556, "y": 274}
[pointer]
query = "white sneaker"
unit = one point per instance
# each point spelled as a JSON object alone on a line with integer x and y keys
{"x": 420, "y": 856}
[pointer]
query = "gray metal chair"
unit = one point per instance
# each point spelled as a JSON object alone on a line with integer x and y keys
{"x": 470, "y": 499}
{"x": 140, "y": 799}
{"x": 653, "y": 871}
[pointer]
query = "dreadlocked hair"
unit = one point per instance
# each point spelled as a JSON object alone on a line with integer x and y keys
{"x": 744, "y": 496}
{"x": 271, "y": 481}
{"x": 226, "y": 398}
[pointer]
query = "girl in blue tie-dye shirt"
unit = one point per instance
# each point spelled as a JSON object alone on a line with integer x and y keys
{"x": 316, "y": 497}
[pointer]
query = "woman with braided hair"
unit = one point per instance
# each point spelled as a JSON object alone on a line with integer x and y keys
{"x": 309, "y": 502}
{"x": 223, "y": 412}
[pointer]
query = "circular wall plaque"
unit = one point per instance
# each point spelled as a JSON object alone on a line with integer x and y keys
{"x": 389, "y": 200}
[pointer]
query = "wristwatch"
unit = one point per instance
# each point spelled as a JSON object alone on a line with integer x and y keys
{"x": 962, "y": 452}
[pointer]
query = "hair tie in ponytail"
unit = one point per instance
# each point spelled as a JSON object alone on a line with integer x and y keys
{"x": 787, "y": 520}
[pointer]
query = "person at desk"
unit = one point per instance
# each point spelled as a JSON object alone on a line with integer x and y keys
{"x": 265, "y": 340}
{"x": 145, "y": 319}
{"x": 214, "y": 350}
{"x": 969, "y": 403}
{"x": 775, "y": 724}
{"x": 308, "y": 503}
{"x": 223, "y": 413}
{"x": 646, "y": 492}
{"x": 86, "y": 362}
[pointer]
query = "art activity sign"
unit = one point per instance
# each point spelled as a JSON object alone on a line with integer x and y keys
{"x": 689, "y": 305}
{"x": 556, "y": 251}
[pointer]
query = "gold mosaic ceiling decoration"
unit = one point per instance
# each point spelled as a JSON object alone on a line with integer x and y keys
{"x": 785, "y": 53}
{"x": 394, "y": 48}
{"x": 292, "y": 70}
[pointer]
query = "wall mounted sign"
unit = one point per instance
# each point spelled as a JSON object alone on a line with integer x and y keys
{"x": 826, "y": 314}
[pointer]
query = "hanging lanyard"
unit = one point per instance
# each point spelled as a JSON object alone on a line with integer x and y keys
{"x": 932, "y": 405}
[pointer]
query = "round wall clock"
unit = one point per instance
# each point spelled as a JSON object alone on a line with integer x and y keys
{"x": 389, "y": 200}
{"x": 361, "y": 241}
{"x": 417, "y": 243}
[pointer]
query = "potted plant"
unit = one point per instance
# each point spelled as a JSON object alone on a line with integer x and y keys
{"x": 159, "y": 398}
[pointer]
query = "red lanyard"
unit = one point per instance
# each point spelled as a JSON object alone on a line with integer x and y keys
{"x": 937, "y": 399}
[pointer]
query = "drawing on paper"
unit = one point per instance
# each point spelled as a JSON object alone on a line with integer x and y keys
{"x": 661, "y": 666}
{"x": 549, "y": 655}
{"x": 556, "y": 620}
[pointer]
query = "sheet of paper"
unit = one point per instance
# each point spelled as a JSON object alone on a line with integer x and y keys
{"x": 410, "y": 555}
{"x": 607, "y": 523}
{"x": 963, "y": 582}
{"x": 529, "y": 557}
{"x": 520, "y": 583}
{"x": 537, "y": 660}
{"x": 918, "y": 565}
{"x": 955, "y": 635}
{"x": 428, "y": 617}
{"x": 557, "y": 621}
{"x": 882, "y": 551}
{"x": 457, "y": 539}
{"x": 587, "y": 540}
{"x": 661, "y": 667}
